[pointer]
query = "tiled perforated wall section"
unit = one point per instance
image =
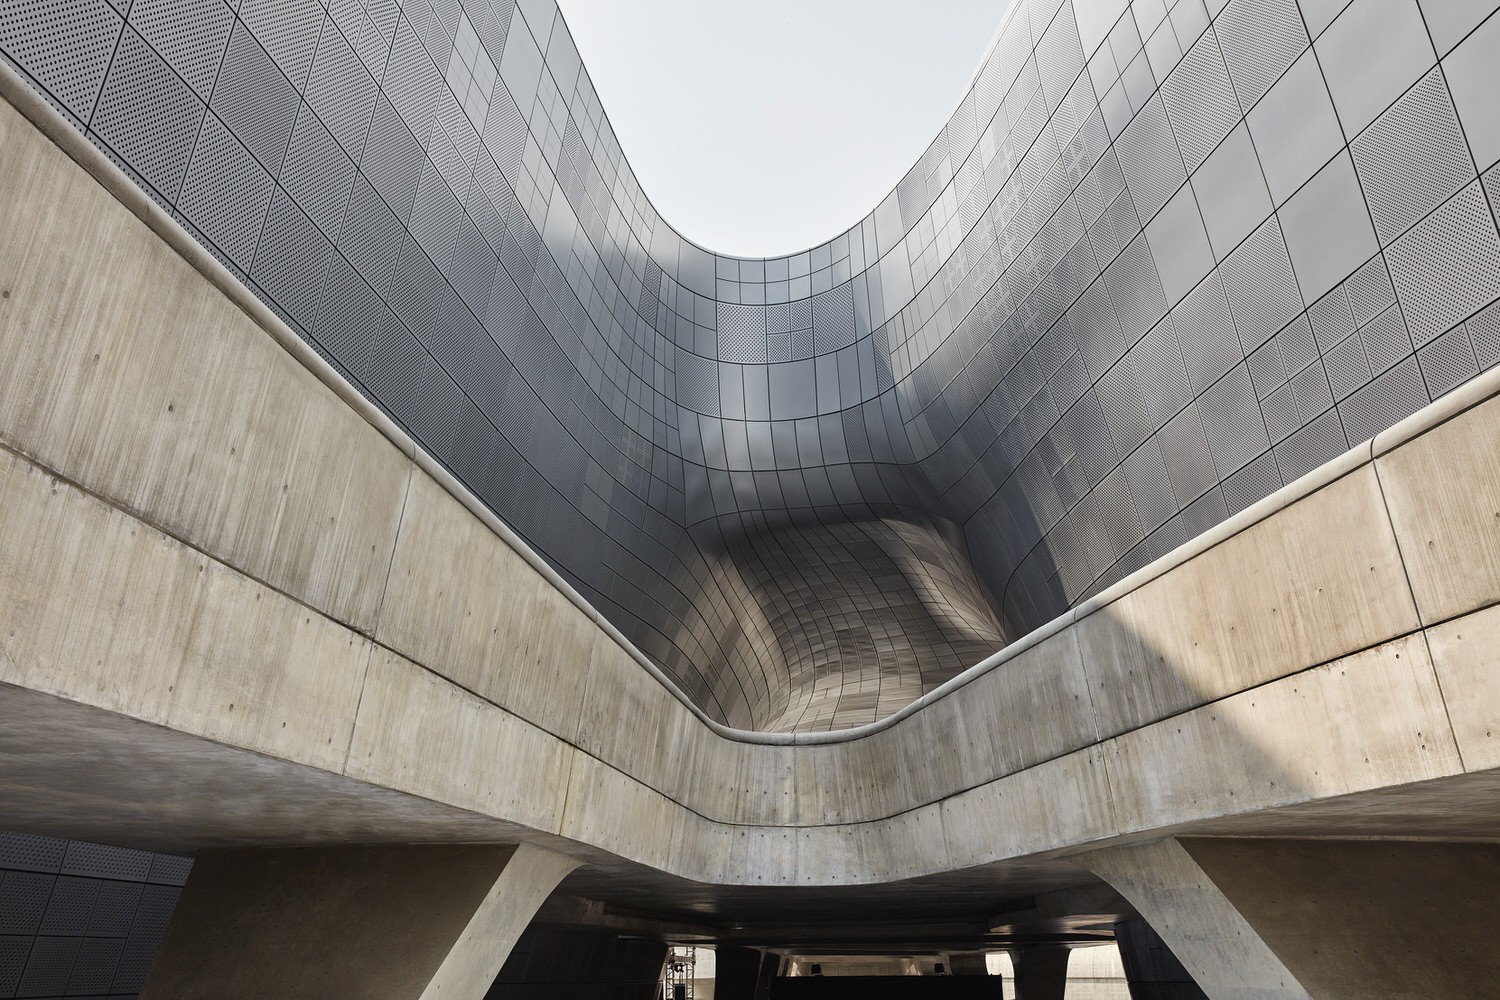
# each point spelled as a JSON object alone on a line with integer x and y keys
{"x": 868, "y": 615}
{"x": 81, "y": 920}
{"x": 1165, "y": 257}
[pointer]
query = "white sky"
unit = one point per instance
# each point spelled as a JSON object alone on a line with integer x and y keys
{"x": 766, "y": 127}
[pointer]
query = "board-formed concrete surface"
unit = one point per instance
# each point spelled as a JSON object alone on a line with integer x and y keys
{"x": 244, "y": 608}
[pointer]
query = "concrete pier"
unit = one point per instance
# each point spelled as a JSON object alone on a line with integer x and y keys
{"x": 404, "y": 923}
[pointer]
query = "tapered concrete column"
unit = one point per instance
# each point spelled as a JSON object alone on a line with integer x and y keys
{"x": 738, "y": 972}
{"x": 1367, "y": 919}
{"x": 1041, "y": 972}
{"x": 1154, "y": 973}
{"x": 1211, "y": 939}
{"x": 1331, "y": 919}
{"x": 559, "y": 961}
{"x": 384, "y": 923}
{"x": 967, "y": 963}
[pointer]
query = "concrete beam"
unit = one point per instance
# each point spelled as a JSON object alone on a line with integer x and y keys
{"x": 384, "y": 923}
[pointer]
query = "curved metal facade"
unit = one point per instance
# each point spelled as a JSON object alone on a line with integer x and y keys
{"x": 1164, "y": 258}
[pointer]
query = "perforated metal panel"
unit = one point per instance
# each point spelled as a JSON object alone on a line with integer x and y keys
{"x": 1393, "y": 396}
{"x": 1448, "y": 265}
{"x": 1200, "y": 101}
{"x": 70, "y": 911}
{"x": 1322, "y": 440}
{"x": 65, "y": 45}
{"x": 188, "y": 35}
{"x": 1484, "y": 334}
{"x": 1448, "y": 362}
{"x": 1412, "y": 158}
{"x": 254, "y": 99}
{"x": 1260, "y": 285}
{"x": 28, "y": 853}
{"x": 742, "y": 333}
{"x": 1150, "y": 159}
{"x": 14, "y": 950}
{"x": 1260, "y": 39}
{"x": 26, "y": 895}
{"x": 48, "y": 966}
{"x": 69, "y": 906}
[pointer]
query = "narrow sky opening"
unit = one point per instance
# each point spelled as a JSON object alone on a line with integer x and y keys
{"x": 766, "y": 128}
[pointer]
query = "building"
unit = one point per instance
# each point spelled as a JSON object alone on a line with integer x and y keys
{"x": 1101, "y": 374}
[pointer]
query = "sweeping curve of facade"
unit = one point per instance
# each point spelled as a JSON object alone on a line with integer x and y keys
{"x": 1164, "y": 258}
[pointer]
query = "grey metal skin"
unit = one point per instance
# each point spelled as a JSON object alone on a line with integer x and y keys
{"x": 1163, "y": 258}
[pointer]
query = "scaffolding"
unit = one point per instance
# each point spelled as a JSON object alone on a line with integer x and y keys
{"x": 677, "y": 974}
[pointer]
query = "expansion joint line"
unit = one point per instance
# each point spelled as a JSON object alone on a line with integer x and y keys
{"x": 1422, "y": 625}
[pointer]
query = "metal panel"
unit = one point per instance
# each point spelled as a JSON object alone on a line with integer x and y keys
{"x": 64, "y": 45}
{"x": 1295, "y": 129}
{"x": 1447, "y": 266}
{"x": 1260, "y": 39}
{"x": 1412, "y": 158}
{"x": 1200, "y": 101}
{"x": 148, "y": 116}
{"x": 1370, "y": 55}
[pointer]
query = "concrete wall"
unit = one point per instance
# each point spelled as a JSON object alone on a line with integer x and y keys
{"x": 367, "y": 922}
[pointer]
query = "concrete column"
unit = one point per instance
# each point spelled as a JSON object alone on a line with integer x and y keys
{"x": 1211, "y": 939}
{"x": 1151, "y": 969}
{"x": 967, "y": 963}
{"x": 551, "y": 961}
{"x": 1041, "y": 972}
{"x": 1254, "y": 919}
{"x": 1367, "y": 919}
{"x": 738, "y": 972}
{"x": 384, "y": 923}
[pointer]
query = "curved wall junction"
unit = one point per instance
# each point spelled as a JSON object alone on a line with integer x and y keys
{"x": 1164, "y": 258}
